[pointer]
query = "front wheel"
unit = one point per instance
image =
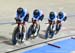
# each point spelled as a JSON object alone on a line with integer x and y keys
{"x": 15, "y": 35}
{"x": 32, "y": 31}
{"x": 28, "y": 34}
{"x": 47, "y": 32}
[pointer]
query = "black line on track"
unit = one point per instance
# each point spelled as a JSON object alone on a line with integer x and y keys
{"x": 54, "y": 45}
{"x": 37, "y": 44}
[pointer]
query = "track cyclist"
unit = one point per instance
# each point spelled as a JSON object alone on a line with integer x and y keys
{"x": 51, "y": 21}
{"x": 60, "y": 18}
{"x": 37, "y": 18}
{"x": 22, "y": 17}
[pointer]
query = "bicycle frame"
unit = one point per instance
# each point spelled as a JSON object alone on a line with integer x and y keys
{"x": 50, "y": 30}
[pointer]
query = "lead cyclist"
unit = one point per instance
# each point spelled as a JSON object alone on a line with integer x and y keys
{"x": 22, "y": 17}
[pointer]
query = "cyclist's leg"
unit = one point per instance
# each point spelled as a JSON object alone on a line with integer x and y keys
{"x": 58, "y": 26}
{"x": 24, "y": 25}
{"x": 23, "y": 31}
{"x": 36, "y": 28}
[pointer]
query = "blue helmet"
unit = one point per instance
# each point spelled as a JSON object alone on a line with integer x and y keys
{"x": 36, "y": 12}
{"x": 60, "y": 14}
{"x": 51, "y": 15}
{"x": 20, "y": 10}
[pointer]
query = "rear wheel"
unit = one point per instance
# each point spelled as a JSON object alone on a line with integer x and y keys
{"x": 32, "y": 31}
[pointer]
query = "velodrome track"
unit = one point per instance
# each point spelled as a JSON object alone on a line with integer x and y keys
{"x": 7, "y": 14}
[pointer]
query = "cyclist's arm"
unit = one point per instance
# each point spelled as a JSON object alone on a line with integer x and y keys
{"x": 26, "y": 18}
